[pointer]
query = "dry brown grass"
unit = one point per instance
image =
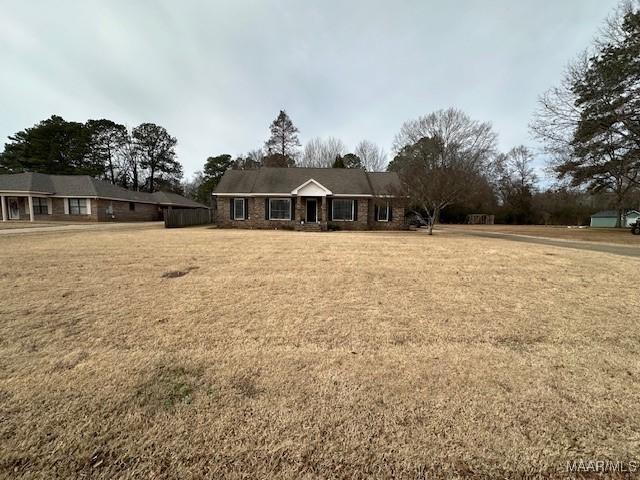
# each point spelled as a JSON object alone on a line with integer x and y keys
{"x": 619, "y": 236}
{"x": 10, "y": 225}
{"x": 300, "y": 355}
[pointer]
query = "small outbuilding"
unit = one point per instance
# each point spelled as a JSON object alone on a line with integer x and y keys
{"x": 609, "y": 218}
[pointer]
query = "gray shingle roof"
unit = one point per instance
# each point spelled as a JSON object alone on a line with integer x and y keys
{"x": 86, "y": 186}
{"x": 26, "y": 182}
{"x": 612, "y": 213}
{"x": 385, "y": 183}
{"x": 173, "y": 199}
{"x": 341, "y": 181}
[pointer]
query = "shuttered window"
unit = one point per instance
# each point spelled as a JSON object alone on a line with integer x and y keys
{"x": 40, "y": 206}
{"x": 279, "y": 209}
{"x": 342, "y": 209}
{"x": 383, "y": 212}
{"x": 78, "y": 206}
{"x": 238, "y": 208}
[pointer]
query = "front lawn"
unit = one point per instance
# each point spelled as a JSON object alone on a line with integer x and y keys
{"x": 201, "y": 352}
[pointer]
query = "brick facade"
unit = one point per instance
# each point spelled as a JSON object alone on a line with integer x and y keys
{"x": 142, "y": 212}
{"x": 256, "y": 217}
{"x": 119, "y": 211}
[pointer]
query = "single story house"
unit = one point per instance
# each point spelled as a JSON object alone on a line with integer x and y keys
{"x": 41, "y": 197}
{"x": 309, "y": 199}
{"x": 609, "y": 218}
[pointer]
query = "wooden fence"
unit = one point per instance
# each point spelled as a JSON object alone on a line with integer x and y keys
{"x": 184, "y": 217}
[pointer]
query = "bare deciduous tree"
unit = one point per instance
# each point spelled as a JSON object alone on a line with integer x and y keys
{"x": 441, "y": 158}
{"x": 321, "y": 153}
{"x": 373, "y": 158}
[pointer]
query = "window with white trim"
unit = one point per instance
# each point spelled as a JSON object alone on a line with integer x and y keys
{"x": 279, "y": 209}
{"x": 40, "y": 206}
{"x": 238, "y": 208}
{"x": 78, "y": 206}
{"x": 342, "y": 209}
{"x": 383, "y": 212}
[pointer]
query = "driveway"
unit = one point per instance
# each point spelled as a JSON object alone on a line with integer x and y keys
{"x": 589, "y": 246}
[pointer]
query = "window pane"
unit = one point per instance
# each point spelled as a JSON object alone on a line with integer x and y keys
{"x": 383, "y": 212}
{"x": 78, "y": 206}
{"x": 40, "y": 206}
{"x": 280, "y": 208}
{"x": 238, "y": 208}
{"x": 342, "y": 209}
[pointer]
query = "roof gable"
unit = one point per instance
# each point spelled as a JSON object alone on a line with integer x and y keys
{"x": 311, "y": 188}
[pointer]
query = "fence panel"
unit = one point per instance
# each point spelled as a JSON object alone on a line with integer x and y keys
{"x": 184, "y": 217}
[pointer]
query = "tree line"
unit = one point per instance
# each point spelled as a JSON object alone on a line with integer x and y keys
{"x": 142, "y": 158}
{"x": 282, "y": 149}
{"x": 589, "y": 127}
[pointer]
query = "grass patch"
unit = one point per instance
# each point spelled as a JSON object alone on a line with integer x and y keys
{"x": 167, "y": 388}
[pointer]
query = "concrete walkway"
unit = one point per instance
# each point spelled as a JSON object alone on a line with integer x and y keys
{"x": 53, "y": 228}
{"x": 627, "y": 251}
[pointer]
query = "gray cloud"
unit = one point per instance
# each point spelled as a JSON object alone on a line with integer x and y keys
{"x": 216, "y": 73}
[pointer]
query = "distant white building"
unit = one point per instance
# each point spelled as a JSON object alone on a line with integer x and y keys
{"x": 609, "y": 218}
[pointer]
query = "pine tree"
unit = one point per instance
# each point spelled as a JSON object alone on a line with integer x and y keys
{"x": 283, "y": 141}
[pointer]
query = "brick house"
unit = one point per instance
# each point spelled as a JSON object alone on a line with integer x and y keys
{"x": 309, "y": 199}
{"x": 41, "y": 197}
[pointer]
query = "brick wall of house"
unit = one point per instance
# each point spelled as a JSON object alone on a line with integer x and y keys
{"x": 58, "y": 215}
{"x": 143, "y": 212}
{"x": 360, "y": 223}
{"x": 121, "y": 212}
{"x": 256, "y": 209}
{"x": 396, "y": 222}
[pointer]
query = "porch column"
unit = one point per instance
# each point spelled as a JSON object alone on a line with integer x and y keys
{"x": 31, "y": 209}
{"x": 323, "y": 209}
{"x": 4, "y": 208}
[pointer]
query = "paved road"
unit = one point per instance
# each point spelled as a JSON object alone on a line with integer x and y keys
{"x": 627, "y": 251}
{"x": 52, "y": 228}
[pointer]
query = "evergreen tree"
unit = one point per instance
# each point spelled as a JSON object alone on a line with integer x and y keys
{"x": 338, "y": 162}
{"x": 53, "y": 146}
{"x": 213, "y": 171}
{"x": 107, "y": 141}
{"x": 283, "y": 142}
{"x": 156, "y": 150}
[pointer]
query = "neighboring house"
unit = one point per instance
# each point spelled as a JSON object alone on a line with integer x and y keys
{"x": 309, "y": 199}
{"x": 41, "y": 197}
{"x": 609, "y": 218}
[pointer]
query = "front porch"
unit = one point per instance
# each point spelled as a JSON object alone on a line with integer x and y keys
{"x": 311, "y": 214}
{"x": 17, "y": 208}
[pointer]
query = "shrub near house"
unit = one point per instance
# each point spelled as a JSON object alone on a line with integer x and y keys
{"x": 309, "y": 199}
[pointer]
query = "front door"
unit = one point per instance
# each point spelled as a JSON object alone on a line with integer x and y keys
{"x": 14, "y": 210}
{"x": 312, "y": 210}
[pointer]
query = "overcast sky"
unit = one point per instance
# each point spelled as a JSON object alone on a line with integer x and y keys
{"x": 215, "y": 74}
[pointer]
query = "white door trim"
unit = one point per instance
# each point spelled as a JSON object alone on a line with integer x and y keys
{"x": 13, "y": 215}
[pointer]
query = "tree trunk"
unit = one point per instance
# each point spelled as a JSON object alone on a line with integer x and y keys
{"x": 113, "y": 177}
{"x": 153, "y": 171}
{"x": 135, "y": 177}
